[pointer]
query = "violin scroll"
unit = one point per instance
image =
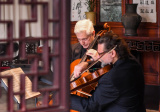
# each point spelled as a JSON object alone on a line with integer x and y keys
{"x": 102, "y": 32}
{"x": 105, "y": 26}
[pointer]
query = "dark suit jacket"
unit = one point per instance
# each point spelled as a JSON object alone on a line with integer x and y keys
{"x": 119, "y": 90}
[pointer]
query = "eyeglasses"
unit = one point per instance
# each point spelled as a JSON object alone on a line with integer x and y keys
{"x": 85, "y": 39}
{"x": 101, "y": 54}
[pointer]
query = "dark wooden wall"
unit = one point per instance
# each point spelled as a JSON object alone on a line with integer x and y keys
{"x": 145, "y": 46}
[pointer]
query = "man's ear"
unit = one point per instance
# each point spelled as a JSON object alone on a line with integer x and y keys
{"x": 114, "y": 53}
{"x": 93, "y": 33}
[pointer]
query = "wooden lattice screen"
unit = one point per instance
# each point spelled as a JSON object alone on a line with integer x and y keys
{"x": 52, "y": 59}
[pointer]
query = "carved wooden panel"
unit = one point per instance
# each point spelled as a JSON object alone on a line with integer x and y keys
{"x": 52, "y": 62}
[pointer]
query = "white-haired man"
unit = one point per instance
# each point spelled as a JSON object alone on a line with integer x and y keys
{"x": 85, "y": 33}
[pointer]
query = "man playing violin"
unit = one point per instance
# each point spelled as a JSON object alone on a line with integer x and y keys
{"x": 85, "y": 33}
{"x": 121, "y": 89}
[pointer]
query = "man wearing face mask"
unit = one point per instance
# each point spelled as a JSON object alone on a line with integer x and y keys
{"x": 119, "y": 90}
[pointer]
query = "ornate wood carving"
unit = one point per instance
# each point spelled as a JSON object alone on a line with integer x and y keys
{"x": 144, "y": 45}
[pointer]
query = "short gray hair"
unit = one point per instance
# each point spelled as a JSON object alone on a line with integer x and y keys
{"x": 84, "y": 25}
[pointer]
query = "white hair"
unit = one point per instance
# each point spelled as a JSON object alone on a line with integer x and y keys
{"x": 84, "y": 25}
